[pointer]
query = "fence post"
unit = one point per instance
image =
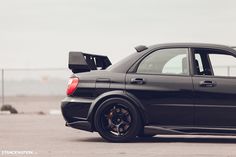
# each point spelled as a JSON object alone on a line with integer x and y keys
{"x": 228, "y": 70}
{"x": 3, "y": 96}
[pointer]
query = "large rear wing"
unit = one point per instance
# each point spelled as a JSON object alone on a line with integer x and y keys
{"x": 83, "y": 62}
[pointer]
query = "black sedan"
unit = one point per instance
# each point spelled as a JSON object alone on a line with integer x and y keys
{"x": 179, "y": 88}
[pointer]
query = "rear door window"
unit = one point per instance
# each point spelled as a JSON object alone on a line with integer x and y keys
{"x": 166, "y": 61}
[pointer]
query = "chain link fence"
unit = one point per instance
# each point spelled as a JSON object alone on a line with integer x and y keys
{"x": 225, "y": 71}
{"x": 40, "y": 90}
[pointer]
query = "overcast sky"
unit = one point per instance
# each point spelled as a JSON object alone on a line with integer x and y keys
{"x": 40, "y": 33}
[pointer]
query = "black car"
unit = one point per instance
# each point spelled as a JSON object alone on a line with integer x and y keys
{"x": 178, "y": 88}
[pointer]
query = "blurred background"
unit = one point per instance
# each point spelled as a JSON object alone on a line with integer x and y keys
{"x": 36, "y": 36}
{"x": 31, "y": 90}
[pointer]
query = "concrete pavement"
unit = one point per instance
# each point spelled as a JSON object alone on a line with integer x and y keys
{"x": 46, "y": 136}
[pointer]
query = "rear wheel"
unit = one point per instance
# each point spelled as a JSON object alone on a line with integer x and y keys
{"x": 117, "y": 120}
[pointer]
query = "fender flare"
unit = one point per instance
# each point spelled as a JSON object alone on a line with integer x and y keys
{"x": 121, "y": 94}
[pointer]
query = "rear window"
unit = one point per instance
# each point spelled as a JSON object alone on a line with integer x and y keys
{"x": 122, "y": 62}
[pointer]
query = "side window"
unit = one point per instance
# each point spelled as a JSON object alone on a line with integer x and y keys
{"x": 223, "y": 64}
{"x": 166, "y": 61}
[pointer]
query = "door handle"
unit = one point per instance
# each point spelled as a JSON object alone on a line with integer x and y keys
{"x": 207, "y": 83}
{"x": 137, "y": 81}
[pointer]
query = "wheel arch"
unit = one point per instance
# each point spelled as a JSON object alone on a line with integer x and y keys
{"x": 117, "y": 94}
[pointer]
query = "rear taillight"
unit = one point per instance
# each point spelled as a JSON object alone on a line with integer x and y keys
{"x": 72, "y": 84}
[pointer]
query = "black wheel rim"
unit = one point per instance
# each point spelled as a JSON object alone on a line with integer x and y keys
{"x": 116, "y": 120}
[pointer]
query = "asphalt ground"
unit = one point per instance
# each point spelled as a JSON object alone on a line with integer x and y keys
{"x": 46, "y": 136}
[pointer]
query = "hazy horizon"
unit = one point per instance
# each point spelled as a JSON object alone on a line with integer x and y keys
{"x": 40, "y": 33}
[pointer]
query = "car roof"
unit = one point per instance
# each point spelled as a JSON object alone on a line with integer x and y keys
{"x": 196, "y": 45}
{"x": 124, "y": 66}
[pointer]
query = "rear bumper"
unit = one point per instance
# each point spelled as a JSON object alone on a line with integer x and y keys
{"x": 75, "y": 112}
{"x": 82, "y": 125}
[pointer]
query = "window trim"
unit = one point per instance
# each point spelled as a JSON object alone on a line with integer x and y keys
{"x": 210, "y": 65}
{"x": 134, "y": 68}
{"x": 209, "y": 62}
{"x": 193, "y": 63}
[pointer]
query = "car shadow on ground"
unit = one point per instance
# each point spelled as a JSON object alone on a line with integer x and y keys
{"x": 156, "y": 139}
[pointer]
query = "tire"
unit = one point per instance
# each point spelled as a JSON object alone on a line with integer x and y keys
{"x": 117, "y": 120}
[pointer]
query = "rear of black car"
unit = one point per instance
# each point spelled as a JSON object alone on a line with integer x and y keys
{"x": 87, "y": 89}
{"x": 75, "y": 106}
{"x": 81, "y": 88}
